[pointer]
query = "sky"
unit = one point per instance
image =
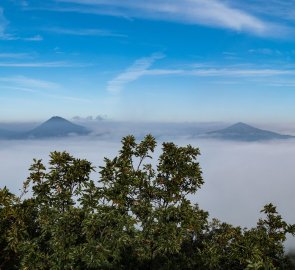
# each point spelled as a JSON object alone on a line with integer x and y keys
{"x": 156, "y": 60}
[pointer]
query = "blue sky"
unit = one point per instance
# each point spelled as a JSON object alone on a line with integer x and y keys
{"x": 156, "y": 60}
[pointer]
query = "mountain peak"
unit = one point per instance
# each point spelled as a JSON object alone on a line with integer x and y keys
{"x": 57, "y": 126}
{"x": 240, "y": 124}
{"x": 241, "y": 127}
{"x": 244, "y": 132}
{"x": 56, "y": 118}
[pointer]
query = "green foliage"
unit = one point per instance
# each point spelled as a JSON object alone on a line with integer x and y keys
{"x": 135, "y": 216}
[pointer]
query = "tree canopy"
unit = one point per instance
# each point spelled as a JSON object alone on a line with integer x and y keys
{"x": 133, "y": 216}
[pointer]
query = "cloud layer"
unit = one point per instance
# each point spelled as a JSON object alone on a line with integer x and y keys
{"x": 134, "y": 72}
{"x": 239, "y": 177}
{"x": 209, "y": 13}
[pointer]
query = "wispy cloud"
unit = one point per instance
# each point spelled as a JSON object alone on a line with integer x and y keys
{"x": 3, "y": 22}
{"x": 159, "y": 72}
{"x": 7, "y": 36}
{"x": 212, "y": 13}
{"x": 227, "y": 72}
{"x": 33, "y": 38}
{"x": 84, "y": 32}
{"x": 17, "y": 88}
{"x": 266, "y": 51}
{"x": 274, "y": 8}
{"x": 134, "y": 72}
{"x": 141, "y": 68}
{"x": 36, "y": 86}
{"x": 29, "y": 83}
{"x": 3, "y": 25}
{"x": 21, "y": 3}
{"x": 48, "y": 95}
{"x": 39, "y": 64}
{"x": 220, "y": 72}
{"x": 282, "y": 82}
{"x": 14, "y": 55}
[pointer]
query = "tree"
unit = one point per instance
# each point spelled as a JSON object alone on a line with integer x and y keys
{"x": 136, "y": 216}
{"x": 8, "y": 255}
{"x": 155, "y": 200}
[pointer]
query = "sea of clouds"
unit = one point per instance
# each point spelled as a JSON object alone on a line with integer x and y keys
{"x": 240, "y": 178}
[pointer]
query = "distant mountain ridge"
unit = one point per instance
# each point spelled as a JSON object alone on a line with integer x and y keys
{"x": 58, "y": 127}
{"x": 6, "y": 134}
{"x": 54, "y": 127}
{"x": 243, "y": 132}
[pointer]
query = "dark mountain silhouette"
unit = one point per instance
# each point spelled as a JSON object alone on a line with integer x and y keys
{"x": 56, "y": 127}
{"x": 244, "y": 132}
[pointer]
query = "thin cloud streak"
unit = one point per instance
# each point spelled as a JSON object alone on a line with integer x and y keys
{"x": 209, "y": 72}
{"x": 84, "y": 32}
{"x": 34, "y": 38}
{"x": 14, "y": 37}
{"x": 22, "y": 89}
{"x": 30, "y": 82}
{"x": 6, "y": 36}
{"x": 34, "y": 91}
{"x": 14, "y": 55}
{"x": 141, "y": 68}
{"x": 240, "y": 72}
{"x": 209, "y": 13}
{"x": 3, "y": 25}
{"x": 40, "y": 64}
{"x": 3, "y": 22}
{"x": 220, "y": 72}
{"x": 275, "y": 8}
{"x": 84, "y": 10}
{"x": 134, "y": 72}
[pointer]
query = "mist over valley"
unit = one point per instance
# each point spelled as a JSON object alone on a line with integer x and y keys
{"x": 250, "y": 174}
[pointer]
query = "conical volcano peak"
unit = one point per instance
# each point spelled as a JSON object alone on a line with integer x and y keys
{"x": 57, "y": 126}
{"x": 240, "y": 126}
{"x": 56, "y": 118}
{"x": 244, "y": 132}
